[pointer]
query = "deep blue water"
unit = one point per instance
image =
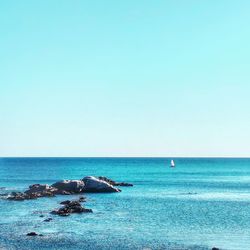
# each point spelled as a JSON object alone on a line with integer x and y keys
{"x": 200, "y": 204}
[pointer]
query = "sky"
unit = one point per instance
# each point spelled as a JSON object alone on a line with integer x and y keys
{"x": 125, "y": 78}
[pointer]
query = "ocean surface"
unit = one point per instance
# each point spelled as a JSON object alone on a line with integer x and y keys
{"x": 200, "y": 204}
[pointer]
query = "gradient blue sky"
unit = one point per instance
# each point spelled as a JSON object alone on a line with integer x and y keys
{"x": 125, "y": 78}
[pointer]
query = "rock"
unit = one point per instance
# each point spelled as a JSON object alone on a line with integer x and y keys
{"x": 114, "y": 183}
{"x": 18, "y": 196}
{"x": 48, "y": 219}
{"x": 34, "y": 192}
{"x": 82, "y": 199}
{"x": 41, "y": 216}
{"x": 64, "y": 214}
{"x": 70, "y": 186}
{"x": 39, "y": 190}
{"x": 65, "y": 202}
{"x": 215, "y": 248}
{"x": 64, "y": 192}
{"x": 71, "y": 207}
{"x": 95, "y": 185}
{"x": 32, "y": 234}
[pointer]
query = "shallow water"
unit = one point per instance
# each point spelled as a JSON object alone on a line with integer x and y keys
{"x": 197, "y": 205}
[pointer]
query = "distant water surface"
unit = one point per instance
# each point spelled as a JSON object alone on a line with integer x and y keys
{"x": 203, "y": 202}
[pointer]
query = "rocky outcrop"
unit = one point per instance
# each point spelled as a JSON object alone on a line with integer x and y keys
{"x": 35, "y": 191}
{"x": 89, "y": 184}
{"x": 95, "y": 185}
{"x": 70, "y": 186}
{"x": 114, "y": 183}
{"x": 71, "y": 207}
{"x": 18, "y": 196}
{"x": 41, "y": 190}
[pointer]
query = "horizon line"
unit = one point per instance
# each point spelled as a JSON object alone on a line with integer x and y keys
{"x": 218, "y": 157}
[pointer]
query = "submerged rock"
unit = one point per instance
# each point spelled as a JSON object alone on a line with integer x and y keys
{"x": 95, "y": 185}
{"x": 71, "y": 207}
{"x": 70, "y": 186}
{"x": 114, "y": 183}
{"x": 215, "y": 248}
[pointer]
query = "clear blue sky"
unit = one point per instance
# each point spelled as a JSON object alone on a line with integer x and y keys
{"x": 125, "y": 78}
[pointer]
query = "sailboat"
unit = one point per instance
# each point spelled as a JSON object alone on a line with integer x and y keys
{"x": 172, "y": 164}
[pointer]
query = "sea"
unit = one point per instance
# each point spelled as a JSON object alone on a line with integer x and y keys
{"x": 200, "y": 204}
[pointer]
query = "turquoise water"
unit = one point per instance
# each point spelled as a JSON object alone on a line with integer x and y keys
{"x": 200, "y": 204}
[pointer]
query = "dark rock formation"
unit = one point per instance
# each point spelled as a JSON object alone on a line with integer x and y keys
{"x": 48, "y": 219}
{"x": 71, "y": 207}
{"x": 32, "y": 234}
{"x": 114, "y": 183}
{"x": 65, "y": 202}
{"x": 215, "y": 248}
{"x": 82, "y": 199}
{"x": 71, "y": 186}
{"x": 18, "y": 196}
{"x": 38, "y": 190}
{"x": 95, "y": 185}
{"x": 33, "y": 192}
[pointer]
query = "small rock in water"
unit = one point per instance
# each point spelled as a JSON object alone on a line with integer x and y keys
{"x": 65, "y": 202}
{"x": 215, "y": 248}
{"x": 71, "y": 207}
{"x": 32, "y": 234}
{"x": 48, "y": 219}
{"x": 82, "y": 199}
{"x": 41, "y": 215}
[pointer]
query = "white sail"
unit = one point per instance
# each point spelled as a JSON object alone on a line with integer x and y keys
{"x": 172, "y": 163}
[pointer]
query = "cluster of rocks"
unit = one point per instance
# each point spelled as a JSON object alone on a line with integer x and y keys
{"x": 71, "y": 207}
{"x": 35, "y": 191}
{"x": 89, "y": 184}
